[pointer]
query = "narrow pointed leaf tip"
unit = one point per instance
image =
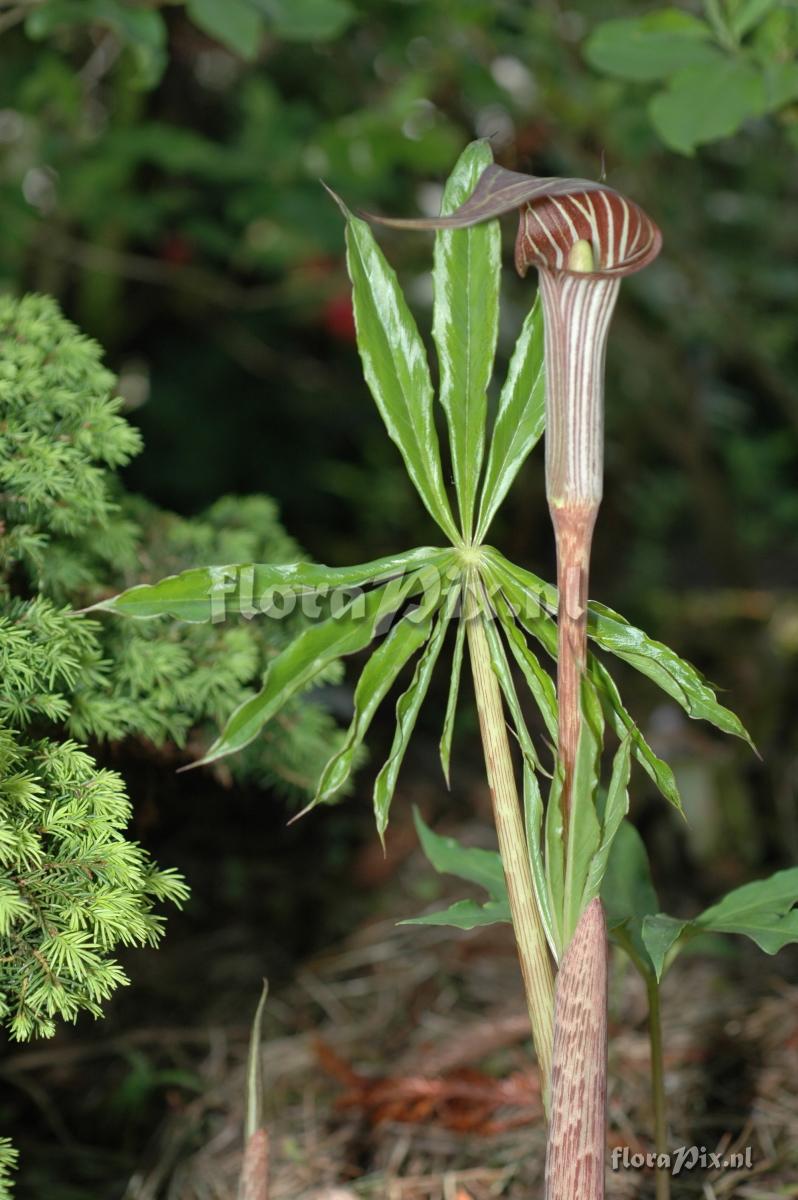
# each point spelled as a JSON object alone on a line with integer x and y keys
{"x": 554, "y": 215}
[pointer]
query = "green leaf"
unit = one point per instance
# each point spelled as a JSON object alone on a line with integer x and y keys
{"x": 465, "y": 326}
{"x": 539, "y": 682}
{"x": 307, "y": 657}
{"x": 660, "y": 934}
{"x": 212, "y": 593}
{"x": 584, "y": 831}
{"x": 677, "y": 677}
{"x": 745, "y": 15}
{"x": 616, "y": 806}
{"x": 395, "y": 367}
{"x": 651, "y": 47}
{"x": 519, "y": 419}
{"x": 236, "y": 24}
{"x": 533, "y": 826}
{"x": 707, "y": 102}
{"x": 781, "y": 84}
{"x": 376, "y": 680}
{"x": 142, "y": 30}
{"x": 407, "y": 710}
{"x": 445, "y": 746}
{"x": 448, "y": 857}
{"x": 762, "y": 911}
{"x": 628, "y": 894}
{"x": 531, "y": 597}
{"x": 554, "y": 850}
{"x": 466, "y": 914}
{"x": 501, "y": 669}
{"x": 620, "y": 719}
{"x": 306, "y": 20}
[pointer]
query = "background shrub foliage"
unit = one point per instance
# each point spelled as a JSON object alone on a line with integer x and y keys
{"x": 159, "y": 168}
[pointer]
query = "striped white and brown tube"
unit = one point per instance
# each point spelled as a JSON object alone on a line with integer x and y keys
{"x": 578, "y": 293}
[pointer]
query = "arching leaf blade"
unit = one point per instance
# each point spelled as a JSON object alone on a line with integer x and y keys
{"x": 407, "y": 710}
{"x": 248, "y": 589}
{"x": 445, "y": 746}
{"x": 465, "y": 326}
{"x": 376, "y": 680}
{"x": 396, "y": 368}
{"x": 520, "y": 418}
{"x": 307, "y": 657}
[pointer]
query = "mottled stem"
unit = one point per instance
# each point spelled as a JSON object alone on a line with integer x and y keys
{"x": 254, "y": 1181}
{"x": 530, "y": 936}
{"x": 575, "y": 1152}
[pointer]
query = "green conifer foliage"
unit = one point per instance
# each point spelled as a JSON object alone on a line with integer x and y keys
{"x": 73, "y": 888}
{"x": 69, "y": 534}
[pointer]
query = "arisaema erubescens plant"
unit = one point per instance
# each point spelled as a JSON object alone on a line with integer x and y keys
{"x": 553, "y": 856}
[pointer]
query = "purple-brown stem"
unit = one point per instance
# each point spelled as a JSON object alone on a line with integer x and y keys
{"x": 573, "y": 531}
{"x": 254, "y": 1181}
{"x": 576, "y": 1148}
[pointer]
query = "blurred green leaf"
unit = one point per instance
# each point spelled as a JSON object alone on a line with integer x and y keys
{"x": 396, "y": 369}
{"x": 306, "y": 20}
{"x": 745, "y": 14}
{"x": 706, "y": 102}
{"x": 781, "y": 84}
{"x": 465, "y": 326}
{"x": 651, "y": 47}
{"x": 236, "y": 24}
{"x": 519, "y": 419}
{"x": 143, "y": 30}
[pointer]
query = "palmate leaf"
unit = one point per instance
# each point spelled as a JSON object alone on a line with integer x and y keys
{"x": 212, "y": 593}
{"x": 501, "y": 669}
{"x": 529, "y": 594}
{"x": 533, "y": 827}
{"x": 445, "y": 746}
{"x": 465, "y": 326}
{"x": 376, "y": 680}
{"x": 407, "y": 710}
{"x": 309, "y": 655}
{"x": 395, "y": 367}
{"x": 519, "y": 419}
{"x": 519, "y": 609}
